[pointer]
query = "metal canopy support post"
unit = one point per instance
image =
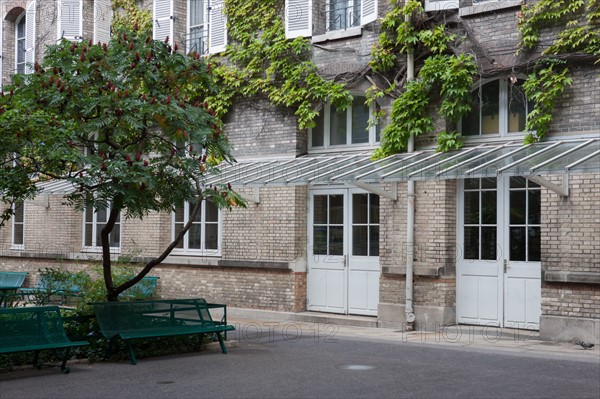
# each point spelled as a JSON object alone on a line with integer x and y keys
{"x": 393, "y": 195}
{"x": 562, "y": 191}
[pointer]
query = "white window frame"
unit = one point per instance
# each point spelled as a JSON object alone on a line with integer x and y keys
{"x": 203, "y": 251}
{"x": 327, "y": 147}
{"x": 14, "y": 246}
{"x": 21, "y": 19}
{"x": 97, "y": 246}
{"x": 349, "y": 17}
{"x": 503, "y": 111}
{"x": 203, "y": 25}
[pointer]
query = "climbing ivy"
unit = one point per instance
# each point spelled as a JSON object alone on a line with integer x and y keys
{"x": 130, "y": 14}
{"x": 260, "y": 61}
{"x": 448, "y": 76}
{"x": 579, "y": 24}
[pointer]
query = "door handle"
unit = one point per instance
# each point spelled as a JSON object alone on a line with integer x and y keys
{"x": 345, "y": 260}
{"x": 505, "y": 265}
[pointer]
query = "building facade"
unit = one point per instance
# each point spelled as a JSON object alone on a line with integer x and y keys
{"x": 320, "y": 234}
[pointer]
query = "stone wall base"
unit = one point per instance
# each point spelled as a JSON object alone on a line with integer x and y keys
{"x": 561, "y": 328}
{"x": 428, "y": 318}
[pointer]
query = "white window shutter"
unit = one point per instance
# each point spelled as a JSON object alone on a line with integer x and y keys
{"x": 368, "y": 11}
{"x": 30, "y": 37}
{"x": 440, "y": 5}
{"x": 298, "y": 18}
{"x": 102, "y": 20}
{"x": 70, "y": 19}
{"x": 163, "y": 20}
{"x": 217, "y": 28}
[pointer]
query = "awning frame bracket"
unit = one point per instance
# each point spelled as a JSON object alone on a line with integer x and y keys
{"x": 374, "y": 189}
{"x": 253, "y": 197}
{"x": 562, "y": 190}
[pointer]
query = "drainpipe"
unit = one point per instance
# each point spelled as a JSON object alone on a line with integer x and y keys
{"x": 410, "y": 209}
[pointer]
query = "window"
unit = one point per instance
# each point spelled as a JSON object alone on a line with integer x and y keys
{"x": 331, "y": 16}
{"x": 480, "y": 219}
{"x": 342, "y": 14}
{"x": 499, "y": 107}
{"x": 94, "y": 220}
{"x": 524, "y": 220}
{"x": 341, "y": 128}
{"x": 204, "y": 235}
{"x": 20, "y": 29}
{"x": 197, "y": 28}
{"x": 365, "y": 225}
{"x": 18, "y": 226}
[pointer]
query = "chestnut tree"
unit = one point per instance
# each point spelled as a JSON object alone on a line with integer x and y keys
{"x": 125, "y": 123}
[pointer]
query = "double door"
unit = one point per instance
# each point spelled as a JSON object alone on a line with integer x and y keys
{"x": 498, "y": 266}
{"x": 343, "y": 251}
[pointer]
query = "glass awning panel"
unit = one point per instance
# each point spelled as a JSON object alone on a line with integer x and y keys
{"x": 487, "y": 160}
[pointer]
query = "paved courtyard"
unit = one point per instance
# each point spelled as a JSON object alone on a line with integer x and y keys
{"x": 275, "y": 359}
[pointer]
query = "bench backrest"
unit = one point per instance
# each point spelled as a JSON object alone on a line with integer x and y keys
{"x": 12, "y": 279}
{"x": 114, "y": 317}
{"x": 27, "y": 326}
{"x": 45, "y": 284}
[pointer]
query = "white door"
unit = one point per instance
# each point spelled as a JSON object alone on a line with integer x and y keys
{"x": 343, "y": 252}
{"x": 498, "y": 268}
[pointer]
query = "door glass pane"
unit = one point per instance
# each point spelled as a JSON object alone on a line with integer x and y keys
{"x": 336, "y": 240}
{"x": 488, "y": 243}
{"x": 337, "y": 127}
{"x": 336, "y": 209}
{"x": 359, "y": 208}
{"x": 472, "y": 207}
{"x": 470, "y": 122}
{"x": 471, "y": 184}
{"x": 198, "y": 217}
{"x": 489, "y": 182}
{"x": 360, "y": 121}
{"x": 488, "y": 207}
{"x": 373, "y": 240}
{"x": 114, "y": 238}
{"x": 518, "y": 182}
{"x": 101, "y": 215}
{"x": 517, "y": 243}
{"x": 320, "y": 209}
{"x": 374, "y": 208}
{"x": 359, "y": 240}
{"x": 179, "y": 214}
{"x": 534, "y": 215}
{"x": 517, "y": 207}
{"x": 533, "y": 241}
{"x": 88, "y": 235}
{"x": 471, "y": 249}
{"x": 320, "y": 240}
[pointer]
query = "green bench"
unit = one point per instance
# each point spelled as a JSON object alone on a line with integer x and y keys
{"x": 46, "y": 288}
{"x": 35, "y": 328}
{"x": 159, "y": 318}
{"x": 144, "y": 289}
{"x": 10, "y": 282}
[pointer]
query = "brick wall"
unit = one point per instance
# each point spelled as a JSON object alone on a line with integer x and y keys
{"x": 256, "y": 128}
{"x": 571, "y": 226}
{"x": 571, "y": 300}
{"x": 273, "y": 230}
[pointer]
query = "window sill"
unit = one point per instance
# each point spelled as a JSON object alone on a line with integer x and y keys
{"x": 572, "y": 277}
{"x": 98, "y": 250}
{"x": 490, "y": 6}
{"x": 17, "y": 247}
{"x": 338, "y": 34}
{"x": 493, "y": 138}
{"x": 218, "y": 262}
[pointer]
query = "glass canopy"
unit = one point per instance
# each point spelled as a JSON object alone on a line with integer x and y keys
{"x": 487, "y": 160}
